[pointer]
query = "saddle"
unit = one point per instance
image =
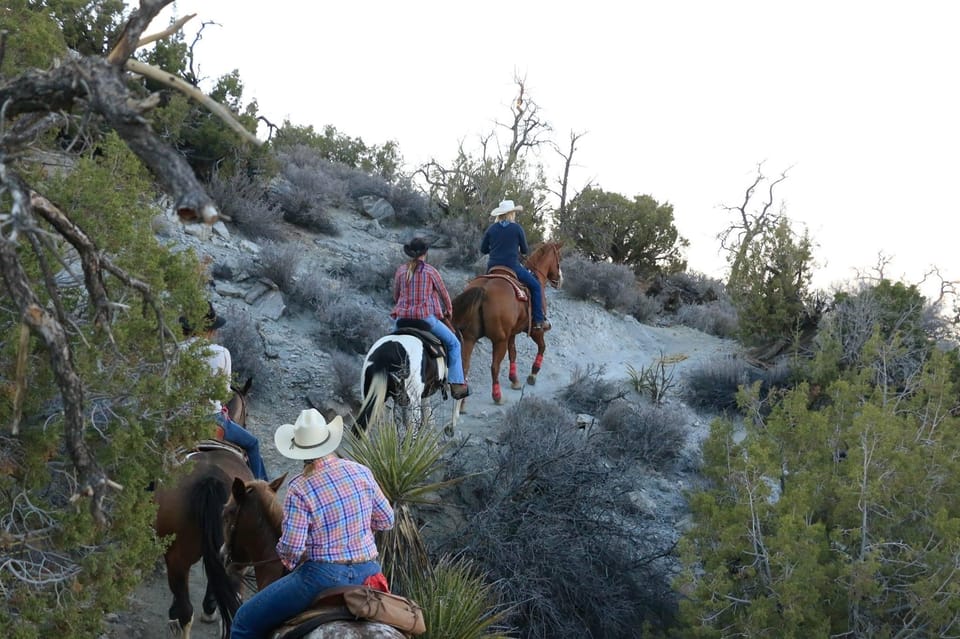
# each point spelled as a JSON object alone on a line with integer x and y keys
{"x": 212, "y": 444}
{"x": 507, "y": 274}
{"x": 433, "y": 349}
{"x": 355, "y": 603}
{"x": 419, "y": 328}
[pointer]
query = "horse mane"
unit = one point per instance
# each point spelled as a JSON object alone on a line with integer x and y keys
{"x": 269, "y": 502}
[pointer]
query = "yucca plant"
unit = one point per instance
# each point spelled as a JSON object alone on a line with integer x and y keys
{"x": 403, "y": 465}
{"x": 457, "y": 602}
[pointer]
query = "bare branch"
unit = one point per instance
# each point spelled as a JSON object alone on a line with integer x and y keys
{"x": 173, "y": 28}
{"x": 172, "y": 81}
{"x": 138, "y": 22}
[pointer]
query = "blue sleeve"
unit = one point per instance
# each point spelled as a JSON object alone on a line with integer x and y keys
{"x": 523, "y": 241}
{"x": 485, "y": 244}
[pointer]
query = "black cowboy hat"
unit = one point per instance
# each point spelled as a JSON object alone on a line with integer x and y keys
{"x": 416, "y": 247}
{"x": 211, "y": 321}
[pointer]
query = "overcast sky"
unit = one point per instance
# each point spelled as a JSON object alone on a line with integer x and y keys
{"x": 679, "y": 100}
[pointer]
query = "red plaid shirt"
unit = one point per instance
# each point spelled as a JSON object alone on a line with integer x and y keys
{"x": 330, "y": 514}
{"x": 422, "y": 295}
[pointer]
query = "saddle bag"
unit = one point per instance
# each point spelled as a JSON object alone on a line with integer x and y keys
{"x": 394, "y": 610}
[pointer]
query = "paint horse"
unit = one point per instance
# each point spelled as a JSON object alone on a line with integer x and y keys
{"x": 491, "y": 307}
{"x": 407, "y": 366}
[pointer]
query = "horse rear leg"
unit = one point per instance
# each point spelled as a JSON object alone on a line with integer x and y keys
{"x": 512, "y": 355}
{"x": 538, "y": 360}
{"x": 499, "y": 350}
{"x": 180, "y": 615}
{"x": 466, "y": 352}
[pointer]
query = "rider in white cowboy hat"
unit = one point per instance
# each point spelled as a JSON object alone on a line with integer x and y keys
{"x": 505, "y": 242}
{"x": 330, "y": 513}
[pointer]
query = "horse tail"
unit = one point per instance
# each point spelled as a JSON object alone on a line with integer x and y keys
{"x": 468, "y": 310}
{"x": 371, "y": 409}
{"x": 206, "y": 507}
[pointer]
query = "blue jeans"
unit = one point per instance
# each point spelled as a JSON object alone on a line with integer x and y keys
{"x": 293, "y": 593}
{"x": 452, "y": 344}
{"x": 237, "y": 434}
{"x": 536, "y": 293}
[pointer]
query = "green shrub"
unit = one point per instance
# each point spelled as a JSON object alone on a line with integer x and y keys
{"x": 141, "y": 399}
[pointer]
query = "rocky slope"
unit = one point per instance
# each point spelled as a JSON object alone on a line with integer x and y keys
{"x": 297, "y": 370}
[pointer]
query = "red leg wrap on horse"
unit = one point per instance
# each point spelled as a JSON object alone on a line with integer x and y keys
{"x": 496, "y": 392}
{"x": 537, "y": 363}
{"x": 513, "y": 371}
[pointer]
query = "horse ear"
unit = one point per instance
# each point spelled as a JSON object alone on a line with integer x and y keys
{"x": 238, "y": 489}
{"x": 278, "y": 482}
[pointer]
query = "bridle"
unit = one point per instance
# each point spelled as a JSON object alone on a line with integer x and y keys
{"x": 228, "y": 544}
{"x": 554, "y": 282}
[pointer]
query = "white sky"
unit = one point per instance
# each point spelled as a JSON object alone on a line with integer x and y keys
{"x": 679, "y": 99}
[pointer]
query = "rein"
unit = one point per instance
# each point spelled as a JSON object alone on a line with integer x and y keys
{"x": 540, "y": 274}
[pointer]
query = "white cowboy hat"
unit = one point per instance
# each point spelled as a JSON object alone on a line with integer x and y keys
{"x": 506, "y": 206}
{"x": 311, "y": 437}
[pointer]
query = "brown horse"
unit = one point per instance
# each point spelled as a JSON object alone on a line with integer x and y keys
{"x": 252, "y": 521}
{"x": 489, "y": 308}
{"x": 190, "y": 511}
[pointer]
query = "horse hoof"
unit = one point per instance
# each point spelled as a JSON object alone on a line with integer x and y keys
{"x": 176, "y": 630}
{"x": 206, "y": 617}
{"x": 516, "y": 385}
{"x": 531, "y": 380}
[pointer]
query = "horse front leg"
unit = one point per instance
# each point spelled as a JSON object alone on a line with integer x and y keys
{"x": 208, "y": 610}
{"x": 537, "y": 337}
{"x": 512, "y": 355}
{"x": 499, "y": 350}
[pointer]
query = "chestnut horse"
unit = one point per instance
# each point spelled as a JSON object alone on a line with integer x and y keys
{"x": 489, "y": 308}
{"x": 190, "y": 511}
{"x": 252, "y": 522}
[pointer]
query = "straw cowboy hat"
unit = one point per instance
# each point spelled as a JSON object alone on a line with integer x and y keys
{"x": 506, "y": 206}
{"x": 312, "y": 437}
{"x": 416, "y": 247}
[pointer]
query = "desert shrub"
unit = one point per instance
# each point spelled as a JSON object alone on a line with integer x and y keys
{"x": 547, "y": 527}
{"x": 647, "y": 433}
{"x": 243, "y": 200}
{"x": 280, "y": 263}
{"x": 714, "y": 385}
{"x": 589, "y": 391}
{"x": 374, "y": 276}
{"x": 718, "y": 317}
{"x": 350, "y": 324}
{"x": 676, "y": 290}
{"x": 304, "y": 190}
{"x": 612, "y": 285}
{"x": 346, "y": 376}
{"x": 242, "y": 339}
{"x": 461, "y": 241}
{"x": 413, "y": 207}
{"x": 314, "y": 290}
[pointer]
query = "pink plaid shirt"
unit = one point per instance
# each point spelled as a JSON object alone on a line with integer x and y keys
{"x": 422, "y": 296}
{"x": 332, "y": 513}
